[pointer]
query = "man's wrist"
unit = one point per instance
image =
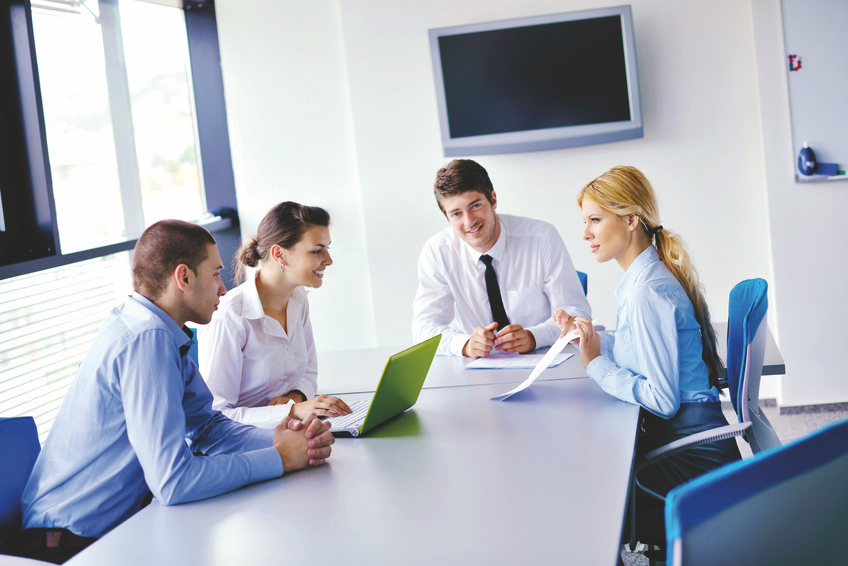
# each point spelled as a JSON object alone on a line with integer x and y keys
{"x": 532, "y": 342}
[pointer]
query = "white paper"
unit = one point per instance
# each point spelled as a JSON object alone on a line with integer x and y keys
{"x": 541, "y": 366}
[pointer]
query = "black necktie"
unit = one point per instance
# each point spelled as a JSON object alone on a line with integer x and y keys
{"x": 494, "y": 292}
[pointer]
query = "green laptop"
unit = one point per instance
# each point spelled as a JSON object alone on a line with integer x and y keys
{"x": 398, "y": 389}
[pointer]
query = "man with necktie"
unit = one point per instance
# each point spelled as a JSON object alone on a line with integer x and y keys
{"x": 491, "y": 281}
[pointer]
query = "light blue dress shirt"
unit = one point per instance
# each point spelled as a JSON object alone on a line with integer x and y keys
{"x": 654, "y": 357}
{"x": 131, "y": 421}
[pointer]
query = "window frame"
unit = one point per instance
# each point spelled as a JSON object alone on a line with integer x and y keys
{"x": 30, "y": 241}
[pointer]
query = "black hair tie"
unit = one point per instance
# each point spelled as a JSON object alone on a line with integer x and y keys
{"x": 655, "y": 230}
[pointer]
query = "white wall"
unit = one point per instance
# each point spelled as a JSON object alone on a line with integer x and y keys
{"x": 808, "y": 238}
{"x": 291, "y": 136}
{"x": 332, "y": 102}
{"x": 702, "y": 146}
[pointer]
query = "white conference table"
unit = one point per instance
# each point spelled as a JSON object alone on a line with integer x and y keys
{"x": 357, "y": 371}
{"x": 343, "y": 372}
{"x": 458, "y": 479}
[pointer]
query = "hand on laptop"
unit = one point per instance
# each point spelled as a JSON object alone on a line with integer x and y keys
{"x": 322, "y": 405}
{"x": 303, "y": 443}
{"x": 515, "y": 339}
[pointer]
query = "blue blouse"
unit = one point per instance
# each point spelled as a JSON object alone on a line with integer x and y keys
{"x": 654, "y": 357}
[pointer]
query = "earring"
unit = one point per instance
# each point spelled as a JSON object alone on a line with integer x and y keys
{"x": 282, "y": 268}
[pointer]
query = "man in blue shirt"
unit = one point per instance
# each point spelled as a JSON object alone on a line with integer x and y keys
{"x": 137, "y": 420}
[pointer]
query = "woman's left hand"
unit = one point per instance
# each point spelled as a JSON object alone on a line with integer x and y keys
{"x": 590, "y": 341}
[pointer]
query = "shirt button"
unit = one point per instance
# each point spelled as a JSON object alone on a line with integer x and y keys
{"x": 290, "y": 348}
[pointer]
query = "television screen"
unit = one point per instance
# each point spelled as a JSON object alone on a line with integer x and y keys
{"x": 537, "y": 83}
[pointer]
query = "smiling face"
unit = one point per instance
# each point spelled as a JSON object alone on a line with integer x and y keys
{"x": 306, "y": 261}
{"x": 206, "y": 288}
{"x": 474, "y": 219}
{"x": 610, "y": 236}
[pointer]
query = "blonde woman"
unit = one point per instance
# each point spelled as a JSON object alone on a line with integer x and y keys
{"x": 662, "y": 355}
{"x": 258, "y": 354}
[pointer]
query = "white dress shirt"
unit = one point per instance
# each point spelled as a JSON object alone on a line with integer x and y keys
{"x": 247, "y": 358}
{"x": 535, "y": 276}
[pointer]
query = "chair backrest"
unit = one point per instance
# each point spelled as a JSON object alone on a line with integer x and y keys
{"x": 192, "y": 352}
{"x": 19, "y": 448}
{"x": 786, "y": 505}
{"x": 746, "y": 312}
{"x": 193, "y": 349}
{"x": 746, "y": 345}
{"x": 584, "y": 281}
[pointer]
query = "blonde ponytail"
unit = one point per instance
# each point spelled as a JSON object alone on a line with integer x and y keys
{"x": 672, "y": 253}
{"x": 625, "y": 191}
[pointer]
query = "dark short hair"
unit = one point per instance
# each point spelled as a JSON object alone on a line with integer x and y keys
{"x": 462, "y": 176}
{"x": 161, "y": 248}
{"x": 283, "y": 225}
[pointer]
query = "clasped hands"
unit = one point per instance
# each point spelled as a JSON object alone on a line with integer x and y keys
{"x": 303, "y": 443}
{"x": 588, "y": 340}
{"x": 512, "y": 338}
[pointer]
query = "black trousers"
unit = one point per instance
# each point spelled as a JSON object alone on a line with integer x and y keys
{"x": 51, "y": 545}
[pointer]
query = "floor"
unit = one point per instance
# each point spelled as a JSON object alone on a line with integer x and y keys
{"x": 789, "y": 426}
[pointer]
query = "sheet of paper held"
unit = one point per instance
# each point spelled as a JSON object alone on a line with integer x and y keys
{"x": 540, "y": 367}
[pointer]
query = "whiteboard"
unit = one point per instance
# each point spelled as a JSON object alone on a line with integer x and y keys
{"x": 816, "y": 33}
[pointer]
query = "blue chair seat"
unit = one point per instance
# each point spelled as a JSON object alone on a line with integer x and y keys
{"x": 20, "y": 447}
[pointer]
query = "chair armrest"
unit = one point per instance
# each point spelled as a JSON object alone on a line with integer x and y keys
{"x": 712, "y": 435}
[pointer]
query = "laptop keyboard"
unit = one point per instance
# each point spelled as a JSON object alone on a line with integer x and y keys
{"x": 354, "y": 419}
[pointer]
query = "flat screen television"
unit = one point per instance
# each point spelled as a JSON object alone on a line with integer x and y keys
{"x": 537, "y": 83}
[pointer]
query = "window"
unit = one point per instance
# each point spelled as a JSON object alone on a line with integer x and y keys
{"x": 121, "y": 136}
{"x": 105, "y": 127}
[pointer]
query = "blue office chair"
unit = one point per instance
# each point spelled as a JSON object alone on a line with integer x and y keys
{"x": 584, "y": 281}
{"x": 746, "y": 336}
{"x": 192, "y": 352}
{"x": 746, "y": 345}
{"x": 19, "y": 447}
{"x": 786, "y": 505}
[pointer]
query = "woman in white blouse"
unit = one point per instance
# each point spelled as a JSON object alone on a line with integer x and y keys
{"x": 258, "y": 354}
{"x": 662, "y": 355}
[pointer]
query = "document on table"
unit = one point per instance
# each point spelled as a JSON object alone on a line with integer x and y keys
{"x": 541, "y": 366}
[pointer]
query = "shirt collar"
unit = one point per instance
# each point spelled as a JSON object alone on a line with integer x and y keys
{"x": 643, "y": 261}
{"x": 252, "y": 305}
{"x": 183, "y": 336}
